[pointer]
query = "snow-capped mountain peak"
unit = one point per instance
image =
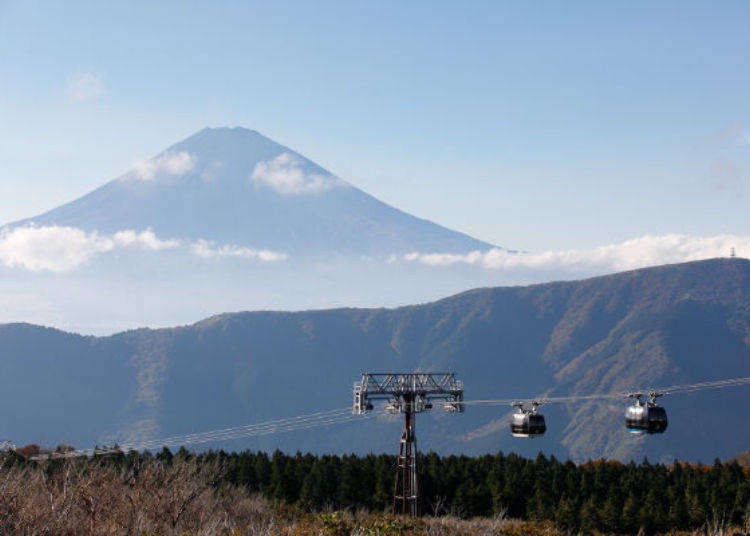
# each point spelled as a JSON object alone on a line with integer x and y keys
{"x": 234, "y": 185}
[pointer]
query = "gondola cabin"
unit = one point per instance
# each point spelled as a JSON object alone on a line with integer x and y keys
{"x": 527, "y": 423}
{"x": 645, "y": 418}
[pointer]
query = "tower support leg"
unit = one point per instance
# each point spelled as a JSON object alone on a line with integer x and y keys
{"x": 406, "y": 494}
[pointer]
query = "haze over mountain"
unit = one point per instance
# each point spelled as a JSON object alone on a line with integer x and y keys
{"x": 235, "y": 186}
{"x": 229, "y": 220}
{"x": 226, "y": 219}
{"x": 646, "y": 328}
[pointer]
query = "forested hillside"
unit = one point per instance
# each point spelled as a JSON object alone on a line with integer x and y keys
{"x": 652, "y": 327}
{"x": 607, "y": 496}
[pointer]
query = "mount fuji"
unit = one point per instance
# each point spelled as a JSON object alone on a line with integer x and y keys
{"x": 225, "y": 220}
{"x": 234, "y": 185}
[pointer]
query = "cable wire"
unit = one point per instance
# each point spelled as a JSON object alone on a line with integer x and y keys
{"x": 673, "y": 389}
{"x": 300, "y": 422}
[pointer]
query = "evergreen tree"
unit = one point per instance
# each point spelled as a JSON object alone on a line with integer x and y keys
{"x": 461, "y": 503}
{"x": 566, "y": 514}
{"x": 383, "y": 493}
{"x": 165, "y": 455}
{"x": 678, "y": 513}
{"x": 630, "y": 514}
{"x": 589, "y": 516}
{"x": 696, "y": 511}
{"x": 610, "y": 515}
{"x": 349, "y": 493}
{"x": 312, "y": 493}
{"x": 262, "y": 470}
{"x": 651, "y": 515}
{"x": 542, "y": 504}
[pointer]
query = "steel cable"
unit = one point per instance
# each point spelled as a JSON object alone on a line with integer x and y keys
{"x": 251, "y": 427}
{"x": 323, "y": 418}
{"x": 674, "y": 389}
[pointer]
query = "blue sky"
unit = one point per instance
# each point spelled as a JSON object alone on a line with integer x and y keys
{"x": 544, "y": 125}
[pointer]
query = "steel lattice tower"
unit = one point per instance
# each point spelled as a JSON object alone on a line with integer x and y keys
{"x": 406, "y": 489}
{"x": 408, "y": 393}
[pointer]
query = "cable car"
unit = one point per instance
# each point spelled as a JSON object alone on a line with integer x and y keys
{"x": 527, "y": 422}
{"x": 645, "y": 418}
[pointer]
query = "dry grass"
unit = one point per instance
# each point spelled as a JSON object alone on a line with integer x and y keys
{"x": 156, "y": 498}
{"x": 184, "y": 498}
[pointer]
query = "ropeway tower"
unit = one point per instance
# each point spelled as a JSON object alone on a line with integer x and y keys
{"x": 408, "y": 393}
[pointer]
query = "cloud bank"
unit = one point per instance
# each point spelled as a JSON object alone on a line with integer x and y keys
{"x": 628, "y": 255}
{"x": 286, "y": 175}
{"x": 166, "y": 164}
{"x": 63, "y": 249}
{"x": 208, "y": 250}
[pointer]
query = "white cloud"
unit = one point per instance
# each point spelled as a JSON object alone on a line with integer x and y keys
{"x": 208, "y": 250}
{"x": 145, "y": 240}
{"x": 628, "y": 255}
{"x": 63, "y": 249}
{"x": 286, "y": 175}
{"x": 167, "y": 164}
{"x": 85, "y": 87}
{"x": 56, "y": 249}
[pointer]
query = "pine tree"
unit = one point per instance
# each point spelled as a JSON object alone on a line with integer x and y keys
{"x": 262, "y": 469}
{"x": 566, "y": 514}
{"x": 350, "y": 483}
{"x": 630, "y": 510}
{"x": 165, "y": 455}
{"x": 311, "y": 494}
{"x": 677, "y": 518}
{"x": 589, "y": 516}
{"x": 383, "y": 493}
{"x": 541, "y": 505}
{"x": 610, "y": 515}
{"x": 461, "y": 504}
{"x": 696, "y": 512}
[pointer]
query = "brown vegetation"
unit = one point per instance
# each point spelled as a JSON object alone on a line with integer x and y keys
{"x": 30, "y": 450}
{"x": 743, "y": 459}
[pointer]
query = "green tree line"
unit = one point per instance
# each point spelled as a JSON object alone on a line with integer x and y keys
{"x": 602, "y": 495}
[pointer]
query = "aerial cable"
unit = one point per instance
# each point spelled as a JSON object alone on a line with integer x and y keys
{"x": 207, "y": 438}
{"x": 685, "y": 388}
{"x": 718, "y": 384}
{"x": 301, "y": 422}
{"x": 261, "y": 428}
{"x": 252, "y": 427}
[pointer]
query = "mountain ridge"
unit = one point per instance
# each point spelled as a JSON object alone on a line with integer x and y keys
{"x": 644, "y": 328}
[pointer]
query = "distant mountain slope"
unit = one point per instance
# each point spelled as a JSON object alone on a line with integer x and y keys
{"x": 651, "y": 327}
{"x": 233, "y": 185}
